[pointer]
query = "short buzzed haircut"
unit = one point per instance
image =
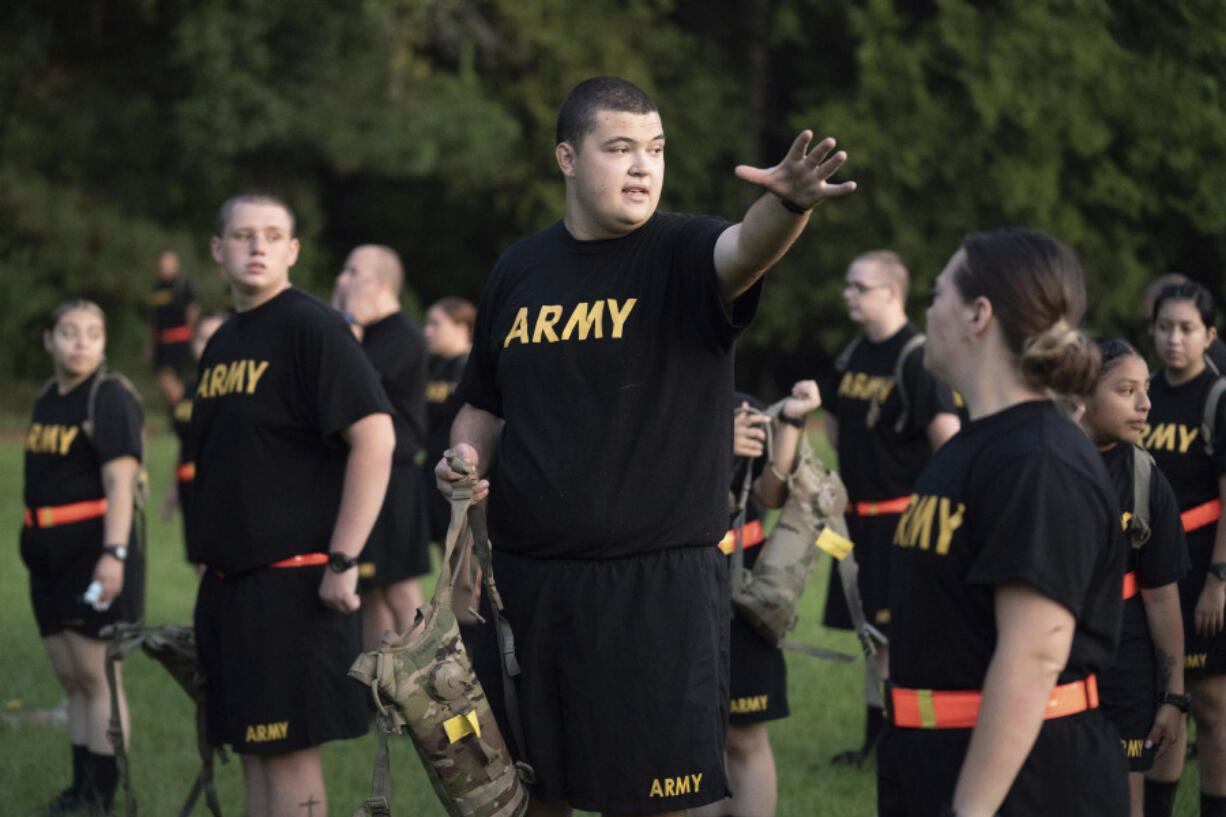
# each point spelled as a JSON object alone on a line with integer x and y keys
{"x": 252, "y": 197}
{"x": 891, "y": 266}
{"x": 387, "y": 266}
{"x": 577, "y": 114}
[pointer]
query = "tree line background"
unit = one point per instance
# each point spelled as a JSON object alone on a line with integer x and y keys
{"x": 428, "y": 125}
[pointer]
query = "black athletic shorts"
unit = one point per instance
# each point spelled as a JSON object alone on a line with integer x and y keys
{"x": 174, "y": 356}
{"x": 1203, "y": 657}
{"x": 1076, "y": 769}
{"x": 759, "y": 677}
{"x": 624, "y": 691}
{"x": 61, "y": 564}
{"x": 275, "y": 661}
{"x": 399, "y": 543}
{"x": 872, "y": 536}
{"x": 1129, "y": 689}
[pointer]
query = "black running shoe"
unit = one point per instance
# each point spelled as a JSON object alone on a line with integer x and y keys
{"x": 66, "y": 803}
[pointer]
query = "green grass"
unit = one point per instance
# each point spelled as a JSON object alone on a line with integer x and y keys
{"x": 827, "y": 712}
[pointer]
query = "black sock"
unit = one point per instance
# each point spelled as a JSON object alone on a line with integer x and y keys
{"x": 101, "y": 778}
{"x": 1212, "y": 805}
{"x": 79, "y": 755}
{"x": 874, "y": 720}
{"x": 1160, "y": 797}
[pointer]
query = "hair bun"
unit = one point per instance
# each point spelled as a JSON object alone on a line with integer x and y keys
{"x": 1062, "y": 359}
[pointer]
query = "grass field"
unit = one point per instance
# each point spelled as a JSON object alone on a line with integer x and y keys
{"x": 827, "y": 712}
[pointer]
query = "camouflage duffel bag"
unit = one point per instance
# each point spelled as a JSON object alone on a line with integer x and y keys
{"x": 810, "y": 521}
{"x": 423, "y": 681}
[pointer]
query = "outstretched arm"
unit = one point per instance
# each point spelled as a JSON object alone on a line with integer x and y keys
{"x": 794, "y": 186}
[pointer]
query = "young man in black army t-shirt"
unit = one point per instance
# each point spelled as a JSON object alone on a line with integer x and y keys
{"x": 884, "y": 433}
{"x": 293, "y": 447}
{"x": 398, "y": 550}
{"x": 597, "y": 397}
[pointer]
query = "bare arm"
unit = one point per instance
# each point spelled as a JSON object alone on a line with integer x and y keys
{"x": 772, "y": 487}
{"x": 1166, "y": 629}
{"x": 941, "y": 428}
{"x": 746, "y": 250}
{"x": 367, "y": 470}
{"x": 1034, "y": 635}
{"x": 1210, "y": 606}
{"x": 118, "y": 481}
{"x": 474, "y": 436}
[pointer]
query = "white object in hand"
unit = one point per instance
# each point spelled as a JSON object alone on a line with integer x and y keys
{"x": 92, "y": 594}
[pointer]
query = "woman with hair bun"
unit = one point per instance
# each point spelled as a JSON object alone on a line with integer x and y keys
{"x": 1143, "y": 691}
{"x": 1007, "y": 565}
{"x": 1183, "y": 331}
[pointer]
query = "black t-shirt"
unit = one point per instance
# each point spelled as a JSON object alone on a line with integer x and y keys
{"x": 1020, "y": 495}
{"x": 442, "y": 405}
{"x": 278, "y": 385}
{"x": 611, "y": 362}
{"x": 170, "y": 300}
{"x": 397, "y": 350}
{"x": 1173, "y": 437}
{"x": 880, "y": 463}
{"x": 1164, "y": 558}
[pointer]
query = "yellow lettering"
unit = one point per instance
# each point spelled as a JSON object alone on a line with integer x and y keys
{"x": 218, "y": 378}
{"x": 51, "y": 435}
{"x": 67, "y": 435}
{"x": 697, "y": 778}
{"x": 261, "y": 733}
{"x": 1186, "y": 436}
{"x": 1124, "y": 519}
{"x": 32, "y": 436}
{"x": 234, "y": 377}
{"x": 1195, "y": 660}
{"x": 619, "y": 316}
{"x": 921, "y": 522}
{"x": 845, "y": 385}
{"x": 858, "y": 384}
{"x": 545, "y": 319}
{"x": 585, "y": 321}
{"x": 882, "y": 389}
{"x": 254, "y": 372}
{"x": 202, "y": 390}
{"x": 282, "y": 729}
{"x": 656, "y": 791}
{"x": 1163, "y": 437}
{"x": 519, "y": 329}
{"x": 683, "y": 785}
{"x": 668, "y": 787}
{"x": 250, "y": 738}
{"x": 949, "y": 524}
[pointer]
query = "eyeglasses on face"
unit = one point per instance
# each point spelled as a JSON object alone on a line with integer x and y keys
{"x": 862, "y": 288}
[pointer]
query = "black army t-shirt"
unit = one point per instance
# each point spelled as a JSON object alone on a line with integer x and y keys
{"x": 1018, "y": 496}
{"x": 442, "y": 405}
{"x": 1173, "y": 437}
{"x": 881, "y": 463}
{"x": 62, "y": 466}
{"x": 278, "y": 385}
{"x": 1164, "y": 558}
{"x": 397, "y": 350}
{"x": 611, "y": 362}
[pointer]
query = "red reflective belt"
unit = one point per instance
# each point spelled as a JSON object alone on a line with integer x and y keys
{"x": 878, "y": 508}
{"x": 52, "y": 515}
{"x": 302, "y": 560}
{"x": 751, "y": 535}
{"x": 1130, "y": 584}
{"x": 175, "y": 334}
{"x": 1201, "y": 515}
{"x": 186, "y": 472}
{"x": 959, "y": 709}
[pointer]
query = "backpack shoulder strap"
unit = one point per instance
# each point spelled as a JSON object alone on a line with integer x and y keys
{"x": 1209, "y": 419}
{"x": 844, "y": 359}
{"x": 92, "y": 403}
{"x": 1142, "y": 474}
{"x": 915, "y": 342}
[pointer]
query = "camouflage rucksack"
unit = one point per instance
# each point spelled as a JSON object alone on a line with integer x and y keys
{"x": 810, "y": 521}
{"x": 423, "y": 680}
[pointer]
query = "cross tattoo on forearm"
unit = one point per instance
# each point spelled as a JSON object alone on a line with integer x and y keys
{"x": 310, "y": 805}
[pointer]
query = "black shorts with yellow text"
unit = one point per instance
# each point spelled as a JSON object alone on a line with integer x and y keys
{"x": 1128, "y": 690}
{"x": 624, "y": 691}
{"x": 275, "y": 661}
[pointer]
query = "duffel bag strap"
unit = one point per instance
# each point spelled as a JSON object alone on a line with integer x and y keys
{"x": 379, "y": 802}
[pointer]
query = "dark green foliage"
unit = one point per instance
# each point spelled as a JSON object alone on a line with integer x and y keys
{"x": 428, "y": 125}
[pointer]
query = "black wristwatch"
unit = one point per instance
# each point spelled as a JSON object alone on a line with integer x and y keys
{"x": 1218, "y": 569}
{"x": 118, "y": 552}
{"x": 795, "y": 422}
{"x": 339, "y": 562}
{"x": 1180, "y": 701}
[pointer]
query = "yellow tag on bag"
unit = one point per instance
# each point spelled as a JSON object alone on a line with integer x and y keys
{"x": 462, "y": 725}
{"x": 834, "y": 544}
